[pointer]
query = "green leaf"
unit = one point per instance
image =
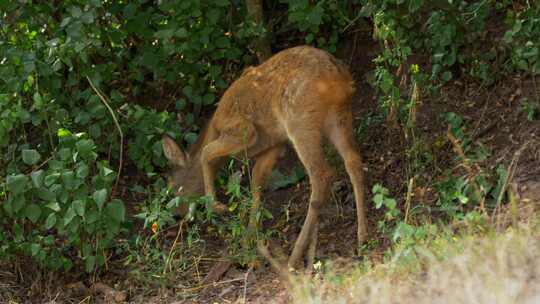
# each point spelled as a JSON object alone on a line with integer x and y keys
{"x": 32, "y": 212}
{"x": 37, "y": 178}
{"x": 45, "y": 194}
{"x": 17, "y": 203}
{"x": 87, "y": 17}
{"x": 181, "y": 33}
{"x": 70, "y": 214}
{"x": 85, "y": 147}
{"x": 30, "y": 156}
{"x": 378, "y": 199}
{"x": 446, "y": 76}
{"x": 92, "y": 216}
{"x": 16, "y": 183}
{"x": 51, "y": 221}
{"x": 38, "y": 101}
{"x": 82, "y": 170}
{"x": 90, "y": 263}
{"x": 213, "y": 15}
{"x": 53, "y": 206}
{"x": 69, "y": 181}
{"x": 390, "y": 203}
{"x": 34, "y": 249}
{"x": 116, "y": 210}
{"x": 79, "y": 207}
{"x": 75, "y": 11}
{"x": 100, "y": 196}
{"x": 209, "y": 98}
{"x": 63, "y": 133}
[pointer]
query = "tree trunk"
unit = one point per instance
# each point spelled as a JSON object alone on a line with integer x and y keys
{"x": 255, "y": 14}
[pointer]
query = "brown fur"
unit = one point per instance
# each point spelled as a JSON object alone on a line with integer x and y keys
{"x": 300, "y": 95}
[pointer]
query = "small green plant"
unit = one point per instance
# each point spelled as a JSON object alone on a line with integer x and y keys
{"x": 475, "y": 187}
{"x": 234, "y": 228}
{"x": 389, "y": 205}
{"x": 522, "y": 38}
{"x": 160, "y": 207}
{"x": 531, "y": 109}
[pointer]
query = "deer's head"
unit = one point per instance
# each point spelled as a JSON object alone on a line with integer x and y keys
{"x": 185, "y": 175}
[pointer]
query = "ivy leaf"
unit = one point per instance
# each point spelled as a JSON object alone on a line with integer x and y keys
{"x": 37, "y": 178}
{"x": 85, "y": 147}
{"x": 32, "y": 212}
{"x": 100, "y": 196}
{"x": 116, "y": 211}
{"x": 53, "y": 206}
{"x": 209, "y": 99}
{"x": 79, "y": 206}
{"x": 50, "y": 221}
{"x": 70, "y": 214}
{"x": 45, "y": 194}
{"x": 16, "y": 183}
{"x": 17, "y": 203}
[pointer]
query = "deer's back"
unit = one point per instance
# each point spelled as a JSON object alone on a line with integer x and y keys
{"x": 301, "y": 83}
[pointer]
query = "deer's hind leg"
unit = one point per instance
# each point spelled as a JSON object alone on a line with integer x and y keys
{"x": 339, "y": 130}
{"x": 308, "y": 144}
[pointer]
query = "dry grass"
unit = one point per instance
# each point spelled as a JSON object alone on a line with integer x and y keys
{"x": 497, "y": 268}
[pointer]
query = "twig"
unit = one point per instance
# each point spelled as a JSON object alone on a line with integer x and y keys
{"x": 245, "y": 285}
{"x": 408, "y": 198}
{"x": 178, "y": 235}
{"x": 111, "y": 111}
{"x": 42, "y": 164}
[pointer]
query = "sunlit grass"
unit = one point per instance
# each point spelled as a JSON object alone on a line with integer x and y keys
{"x": 469, "y": 268}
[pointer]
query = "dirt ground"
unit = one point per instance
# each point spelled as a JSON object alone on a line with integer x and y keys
{"x": 493, "y": 113}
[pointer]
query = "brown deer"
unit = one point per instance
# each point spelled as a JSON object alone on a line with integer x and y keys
{"x": 300, "y": 95}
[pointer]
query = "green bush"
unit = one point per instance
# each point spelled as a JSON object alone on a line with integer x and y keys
{"x": 522, "y": 38}
{"x": 62, "y": 210}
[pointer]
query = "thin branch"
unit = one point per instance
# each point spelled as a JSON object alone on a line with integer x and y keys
{"x": 169, "y": 256}
{"x": 111, "y": 111}
{"x": 408, "y": 199}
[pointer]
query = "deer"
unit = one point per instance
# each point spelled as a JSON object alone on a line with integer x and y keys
{"x": 301, "y": 95}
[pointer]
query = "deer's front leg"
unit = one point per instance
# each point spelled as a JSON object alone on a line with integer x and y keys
{"x": 261, "y": 170}
{"x": 211, "y": 157}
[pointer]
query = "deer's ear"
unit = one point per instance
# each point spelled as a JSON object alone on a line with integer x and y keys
{"x": 173, "y": 153}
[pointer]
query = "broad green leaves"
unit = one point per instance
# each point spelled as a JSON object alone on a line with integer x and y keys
{"x": 58, "y": 200}
{"x": 100, "y": 196}
{"x": 16, "y": 183}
